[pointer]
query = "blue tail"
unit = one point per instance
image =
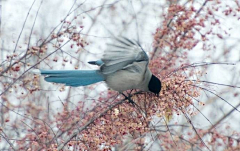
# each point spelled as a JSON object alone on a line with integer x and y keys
{"x": 73, "y": 78}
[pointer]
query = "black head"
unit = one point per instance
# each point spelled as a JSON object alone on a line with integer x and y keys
{"x": 154, "y": 85}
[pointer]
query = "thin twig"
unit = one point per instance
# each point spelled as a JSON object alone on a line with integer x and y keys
{"x": 22, "y": 30}
{"x": 30, "y": 35}
{"x": 10, "y": 85}
{"x": 189, "y": 120}
{"x": 8, "y": 141}
{"x": 227, "y": 85}
{"x": 217, "y": 96}
{"x": 199, "y": 64}
{"x": 220, "y": 120}
{"x": 89, "y": 123}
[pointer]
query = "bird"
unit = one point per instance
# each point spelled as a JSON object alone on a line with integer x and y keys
{"x": 124, "y": 66}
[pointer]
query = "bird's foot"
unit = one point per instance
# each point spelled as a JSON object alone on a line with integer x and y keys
{"x": 129, "y": 99}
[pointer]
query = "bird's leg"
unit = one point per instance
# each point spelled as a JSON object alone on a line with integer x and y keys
{"x": 129, "y": 98}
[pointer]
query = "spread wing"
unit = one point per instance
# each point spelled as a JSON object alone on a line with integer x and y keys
{"x": 122, "y": 54}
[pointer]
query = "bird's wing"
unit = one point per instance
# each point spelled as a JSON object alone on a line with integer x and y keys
{"x": 122, "y": 54}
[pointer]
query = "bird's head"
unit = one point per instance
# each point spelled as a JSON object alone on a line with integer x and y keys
{"x": 154, "y": 85}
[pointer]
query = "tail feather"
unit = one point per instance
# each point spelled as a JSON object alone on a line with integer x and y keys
{"x": 98, "y": 62}
{"x": 73, "y": 78}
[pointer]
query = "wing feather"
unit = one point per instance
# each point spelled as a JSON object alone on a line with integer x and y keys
{"x": 121, "y": 54}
